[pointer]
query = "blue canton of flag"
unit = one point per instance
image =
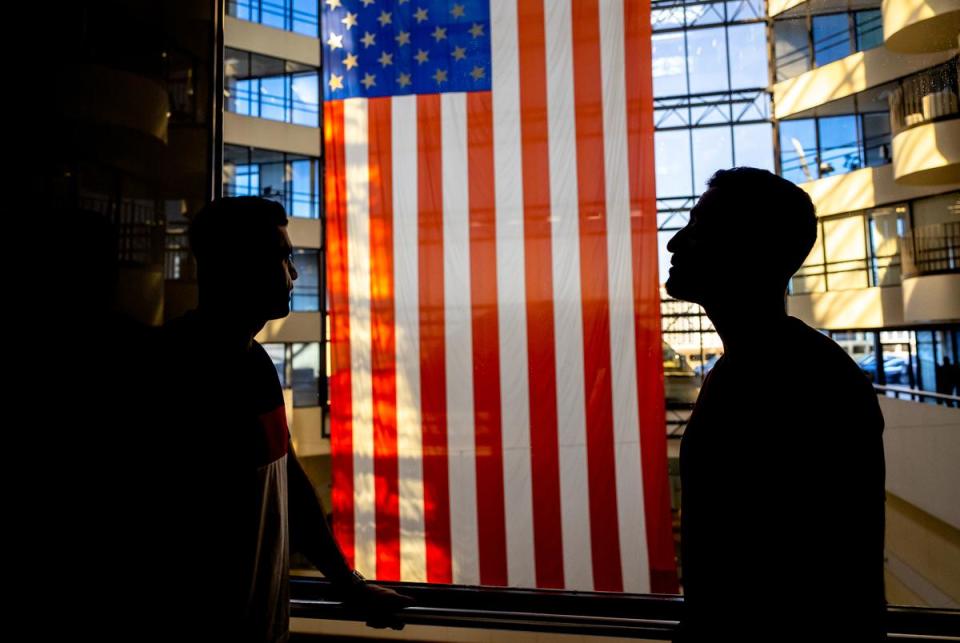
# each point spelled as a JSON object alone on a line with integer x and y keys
{"x": 398, "y": 47}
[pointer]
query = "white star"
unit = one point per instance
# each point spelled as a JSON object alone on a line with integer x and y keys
{"x": 385, "y": 18}
{"x": 439, "y": 33}
{"x": 369, "y": 80}
{"x": 367, "y": 3}
{"x": 476, "y": 30}
{"x": 420, "y": 15}
{"x": 385, "y": 59}
{"x": 368, "y": 39}
{"x": 403, "y": 80}
{"x": 333, "y": 4}
{"x": 335, "y": 41}
{"x": 457, "y": 11}
{"x": 459, "y": 53}
{"x": 422, "y": 56}
{"x": 350, "y": 20}
{"x": 440, "y": 76}
{"x": 336, "y": 82}
{"x": 350, "y": 61}
{"x": 478, "y": 73}
{"x": 403, "y": 38}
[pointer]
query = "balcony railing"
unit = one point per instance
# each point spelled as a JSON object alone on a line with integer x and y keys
{"x": 642, "y": 616}
{"x": 931, "y": 249}
{"x": 925, "y": 97}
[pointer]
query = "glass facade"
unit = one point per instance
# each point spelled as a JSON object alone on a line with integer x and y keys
{"x": 271, "y": 88}
{"x": 804, "y": 42}
{"x": 291, "y": 179}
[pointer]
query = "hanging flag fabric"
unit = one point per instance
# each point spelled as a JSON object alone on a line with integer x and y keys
{"x": 496, "y": 384}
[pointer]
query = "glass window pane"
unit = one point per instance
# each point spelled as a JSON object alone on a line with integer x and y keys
{"x": 273, "y": 98}
{"x": 707, "y": 58}
{"x": 277, "y": 353}
{"x": 876, "y": 138}
{"x": 798, "y": 150}
{"x": 753, "y": 145}
{"x": 274, "y": 13}
{"x": 831, "y": 38}
{"x": 306, "y": 287}
{"x": 306, "y": 374}
{"x": 738, "y": 10}
{"x": 705, "y": 13}
{"x": 748, "y": 56}
{"x": 669, "y": 64}
{"x": 712, "y": 151}
{"x": 271, "y": 180}
{"x": 674, "y": 171}
{"x": 844, "y": 239}
{"x": 791, "y": 48}
{"x": 839, "y": 147}
{"x": 305, "y": 91}
{"x": 869, "y": 26}
{"x": 667, "y": 18}
{"x": 305, "y": 18}
{"x": 303, "y": 193}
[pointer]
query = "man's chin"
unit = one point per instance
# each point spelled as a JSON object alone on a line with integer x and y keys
{"x": 677, "y": 289}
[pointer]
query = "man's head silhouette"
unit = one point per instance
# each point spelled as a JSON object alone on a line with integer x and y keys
{"x": 244, "y": 258}
{"x": 747, "y": 235}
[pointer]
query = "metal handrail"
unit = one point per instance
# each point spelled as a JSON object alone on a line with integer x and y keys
{"x": 648, "y": 616}
{"x": 917, "y": 395}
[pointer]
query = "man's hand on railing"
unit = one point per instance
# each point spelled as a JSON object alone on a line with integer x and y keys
{"x": 380, "y": 605}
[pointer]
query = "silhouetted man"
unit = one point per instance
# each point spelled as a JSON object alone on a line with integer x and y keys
{"x": 236, "y": 492}
{"x": 781, "y": 463}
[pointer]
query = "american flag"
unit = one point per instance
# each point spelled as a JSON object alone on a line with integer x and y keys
{"x": 496, "y": 378}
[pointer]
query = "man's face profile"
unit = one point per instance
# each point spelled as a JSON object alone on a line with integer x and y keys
{"x": 698, "y": 264}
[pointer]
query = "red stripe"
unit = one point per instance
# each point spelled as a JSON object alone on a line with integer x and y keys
{"x": 383, "y": 343}
{"x": 436, "y": 501}
{"x": 492, "y": 535}
{"x": 646, "y": 297}
{"x": 538, "y": 278}
{"x": 341, "y": 412}
{"x": 601, "y": 466}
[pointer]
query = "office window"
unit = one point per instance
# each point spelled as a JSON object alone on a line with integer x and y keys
{"x": 839, "y": 144}
{"x": 271, "y": 88}
{"x": 292, "y": 180}
{"x": 831, "y": 38}
{"x": 869, "y": 28}
{"x": 305, "y": 374}
{"x": 278, "y": 355}
{"x": 845, "y": 251}
{"x": 306, "y": 288}
{"x": 798, "y": 150}
{"x": 886, "y": 227}
{"x": 876, "y": 139}
{"x": 298, "y": 16}
{"x": 791, "y": 48}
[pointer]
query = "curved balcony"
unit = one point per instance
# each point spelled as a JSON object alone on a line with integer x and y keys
{"x": 925, "y": 119}
{"x": 920, "y": 26}
{"x": 930, "y": 257}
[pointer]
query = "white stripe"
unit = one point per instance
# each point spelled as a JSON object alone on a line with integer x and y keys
{"x": 512, "y": 297}
{"x": 413, "y": 553}
{"x": 458, "y": 339}
{"x": 568, "y": 321}
{"x": 634, "y": 559}
{"x": 358, "y": 262}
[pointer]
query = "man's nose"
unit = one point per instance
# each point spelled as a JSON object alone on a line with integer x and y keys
{"x": 676, "y": 240}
